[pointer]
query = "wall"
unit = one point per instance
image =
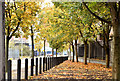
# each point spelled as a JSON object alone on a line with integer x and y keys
{"x": 97, "y": 51}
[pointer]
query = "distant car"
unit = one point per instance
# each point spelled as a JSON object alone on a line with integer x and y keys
{"x": 49, "y": 53}
{"x": 55, "y": 53}
{"x": 60, "y": 53}
{"x": 42, "y": 53}
{"x": 65, "y": 54}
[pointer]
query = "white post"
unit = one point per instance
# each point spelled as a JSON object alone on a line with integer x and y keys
{"x": 2, "y": 42}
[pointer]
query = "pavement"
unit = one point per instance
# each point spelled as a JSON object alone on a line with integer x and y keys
{"x": 14, "y": 65}
{"x": 92, "y": 60}
{"x": 76, "y": 71}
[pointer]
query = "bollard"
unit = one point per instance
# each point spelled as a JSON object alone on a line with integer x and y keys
{"x": 36, "y": 71}
{"x": 26, "y": 69}
{"x": 46, "y": 63}
{"x": 19, "y": 70}
{"x": 40, "y": 66}
{"x": 32, "y": 65}
{"x": 50, "y": 62}
{"x": 9, "y": 70}
{"x": 43, "y": 64}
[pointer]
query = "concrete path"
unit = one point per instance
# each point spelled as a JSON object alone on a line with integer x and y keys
{"x": 81, "y": 59}
{"x": 76, "y": 70}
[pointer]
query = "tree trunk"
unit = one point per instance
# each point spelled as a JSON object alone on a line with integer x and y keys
{"x": 116, "y": 61}
{"x": 115, "y": 15}
{"x": 103, "y": 51}
{"x": 107, "y": 57}
{"x": 6, "y": 52}
{"x": 7, "y": 48}
{"x": 94, "y": 51}
{"x": 70, "y": 51}
{"x": 44, "y": 48}
{"x": 39, "y": 52}
{"x": 107, "y": 52}
{"x": 90, "y": 49}
{"x": 52, "y": 52}
{"x": 73, "y": 52}
{"x": 85, "y": 52}
{"x": 56, "y": 52}
{"x": 32, "y": 40}
{"x": 116, "y": 28}
{"x": 76, "y": 50}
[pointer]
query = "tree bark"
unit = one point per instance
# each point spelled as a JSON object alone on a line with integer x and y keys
{"x": 107, "y": 57}
{"x": 116, "y": 28}
{"x": 90, "y": 48}
{"x": 44, "y": 48}
{"x": 107, "y": 51}
{"x": 6, "y": 52}
{"x": 39, "y": 52}
{"x": 115, "y": 15}
{"x": 76, "y": 50}
{"x": 52, "y": 52}
{"x": 7, "y": 48}
{"x": 116, "y": 64}
{"x": 73, "y": 52}
{"x": 56, "y": 52}
{"x": 70, "y": 51}
{"x": 32, "y": 40}
{"x": 85, "y": 52}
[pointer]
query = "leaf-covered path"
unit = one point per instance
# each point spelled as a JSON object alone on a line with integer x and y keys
{"x": 74, "y": 70}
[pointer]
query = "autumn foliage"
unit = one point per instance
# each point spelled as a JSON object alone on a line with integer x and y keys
{"x": 77, "y": 70}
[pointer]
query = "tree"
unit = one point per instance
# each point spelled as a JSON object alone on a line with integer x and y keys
{"x": 16, "y": 13}
{"x": 81, "y": 20}
{"x": 49, "y": 24}
{"x": 31, "y": 23}
{"x": 114, "y": 10}
{"x": 26, "y": 50}
{"x": 38, "y": 43}
{"x": 13, "y": 16}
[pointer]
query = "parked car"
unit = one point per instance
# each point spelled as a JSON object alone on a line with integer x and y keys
{"x": 49, "y": 53}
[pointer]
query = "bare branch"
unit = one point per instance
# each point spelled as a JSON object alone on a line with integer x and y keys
{"x": 109, "y": 22}
{"x": 99, "y": 43}
{"x": 14, "y": 30}
{"x": 81, "y": 34}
